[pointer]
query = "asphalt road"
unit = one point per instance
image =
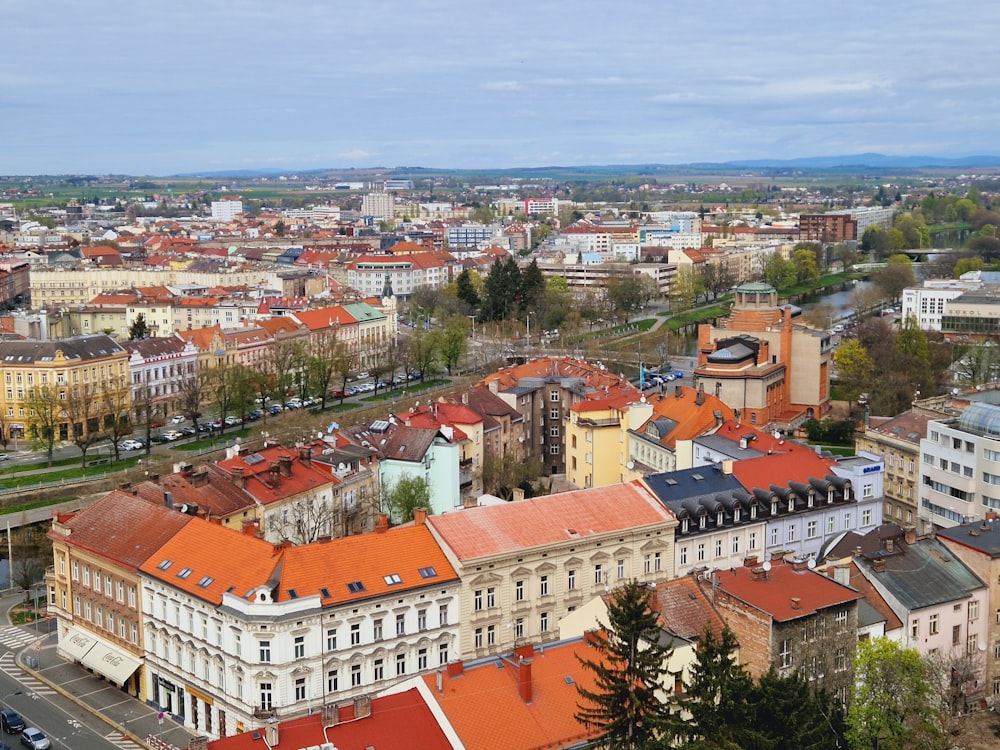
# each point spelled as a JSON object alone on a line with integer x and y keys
{"x": 67, "y": 726}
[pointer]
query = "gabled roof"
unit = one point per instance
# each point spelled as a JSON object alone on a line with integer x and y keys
{"x": 398, "y": 720}
{"x": 407, "y": 443}
{"x": 479, "y": 532}
{"x": 685, "y": 612}
{"x": 121, "y": 528}
{"x": 691, "y": 412}
{"x": 325, "y": 317}
{"x": 486, "y": 710}
{"x": 784, "y": 592}
{"x": 923, "y": 574}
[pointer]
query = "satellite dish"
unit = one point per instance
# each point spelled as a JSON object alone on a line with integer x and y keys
{"x": 811, "y": 563}
{"x": 630, "y": 465}
{"x": 767, "y": 566}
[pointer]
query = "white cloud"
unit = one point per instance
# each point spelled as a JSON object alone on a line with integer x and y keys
{"x": 354, "y": 154}
{"x": 502, "y": 86}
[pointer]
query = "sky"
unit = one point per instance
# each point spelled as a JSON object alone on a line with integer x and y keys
{"x": 148, "y": 87}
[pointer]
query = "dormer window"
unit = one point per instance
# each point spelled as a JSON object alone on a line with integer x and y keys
{"x": 774, "y": 507}
{"x": 829, "y": 496}
{"x": 809, "y": 500}
{"x": 736, "y": 515}
{"x": 718, "y": 519}
{"x": 753, "y": 512}
{"x": 791, "y": 503}
{"x": 684, "y": 526}
{"x": 701, "y": 522}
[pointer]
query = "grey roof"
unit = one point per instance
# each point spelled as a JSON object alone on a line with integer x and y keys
{"x": 727, "y": 447}
{"x": 700, "y": 480}
{"x": 924, "y": 574}
{"x": 982, "y": 536}
{"x": 78, "y": 347}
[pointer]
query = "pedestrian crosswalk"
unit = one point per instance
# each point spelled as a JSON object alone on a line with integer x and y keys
{"x": 31, "y": 684}
{"x": 16, "y": 638}
{"x": 120, "y": 740}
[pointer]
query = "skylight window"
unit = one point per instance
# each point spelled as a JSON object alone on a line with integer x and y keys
{"x": 392, "y": 579}
{"x": 165, "y": 564}
{"x": 325, "y": 592}
{"x": 206, "y": 582}
{"x": 293, "y": 594}
{"x": 184, "y": 573}
{"x": 355, "y": 587}
{"x": 428, "y": 572}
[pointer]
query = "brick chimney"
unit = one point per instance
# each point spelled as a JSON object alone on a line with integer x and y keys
{"x": 910, "y": 536}
{"x": 305, "y": 456}
{"x": 524, "y": 678}
{"x": 879, "y": 565}
{"x": 382, "y": 524}
{"x": 419, "y": 516}
{"x": 274, "y": 473}
{"x": 237, "y": 477}
{"x": 285, "y": 466}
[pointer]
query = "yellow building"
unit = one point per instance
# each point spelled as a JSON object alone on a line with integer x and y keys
{"x": 52, "y": 384}
{"x": 95, "y": 593}
{"x": 525, "y": 565}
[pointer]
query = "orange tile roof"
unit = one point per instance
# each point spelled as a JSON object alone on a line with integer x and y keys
{"x": 558, "y": 368}
{"x": 216, "y": 560}
{"x": 325, "y": 317}
{"x": 479, "y": 532}
{"x": 207, "y": 560}
{"x": 774, "y": 592}
{"x": 486, "y": 710}
{"x": 259, "y": 481}
{"x": 682, "y": 407}
{"x": 399, "y": 720}
{"x": 366, "y": 558}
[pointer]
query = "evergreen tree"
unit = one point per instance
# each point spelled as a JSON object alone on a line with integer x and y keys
{"x": 717, "y": 710}
{"x": 532, "y": 286}
{"x": 139, "y": 329}
{"x": 625, "y": 706}
{"x": 792, "y": 716}
{"x": 466, "y": 291}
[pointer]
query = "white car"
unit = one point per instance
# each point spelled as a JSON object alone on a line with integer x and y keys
{"x": 130, "y": 445}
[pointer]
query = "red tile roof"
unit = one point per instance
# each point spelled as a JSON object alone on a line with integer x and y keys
{"x": 326, "y": 317}
{"x": 478, "y": 532}
{"x": 486, "y": 710}
{"x": 774, "y": 592}
{"x": 122, "y": 528}
{"x": 401, "y": 720}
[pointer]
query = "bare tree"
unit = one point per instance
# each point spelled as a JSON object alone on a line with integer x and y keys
{"x": 307, "y": 520}
{"x": 82, "y": 408}
{"x": 143, "y": 408}
{"x": 116, "y": 402}
{"x": 379, "y": 363}
{"x": 320, "y": 364}
{"x": 345, "y": 365}
{"x": 45, "y": 414}
{"x": 192, "y": 395}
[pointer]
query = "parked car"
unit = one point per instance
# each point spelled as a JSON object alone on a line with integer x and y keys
{"x": 131, "y": 445}
{"x": 34, "y": 739}
{"x": 337, "y": 393}
{"x": 188, "y": 430}
{"x": 274, "y": 409}
{"x": 413, "y": 375}
{"x": 293, "y": 403}
{"x": 4, "y": 457}
{"x": 363, "y": 375}
{"x": 178, "y": 419}
{"x": 11, "y": 721}
{"x": 678, "y": 374}
{"x": 158, "y": 439}
{"x": 233, "y": 421}
{"x": 172, "y": 435}
{"x": 155, "y": 425}
{"x": 254, "y": 415}
{"x": 382, "y": 384}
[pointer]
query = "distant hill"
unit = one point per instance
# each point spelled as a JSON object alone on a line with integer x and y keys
{"x": 869, "y": 161}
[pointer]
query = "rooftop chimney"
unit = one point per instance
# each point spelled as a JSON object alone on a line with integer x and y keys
{"x": 699, "y": 398}
{"x": 419, "y": 516}
{"x": 910, "y": 536}
{"x": 888, "y": 545}
{"x": 382, "y": 524}
{"x": 168, "y": 500}
{"x": 329, "y": 714}
{"x": 285, "y": 465}
{"x": 796, "y": 602}
{"x": 274, "y": 472}
{"x": 879, "y": 565}
{"x": 237, "y": 477}
{"x": 305, "y": 456}
{"x": 524, "y": 678}
{"x": 750, "y": 561}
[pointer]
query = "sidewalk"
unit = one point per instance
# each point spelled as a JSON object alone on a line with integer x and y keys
{"x": 120, "y": 711}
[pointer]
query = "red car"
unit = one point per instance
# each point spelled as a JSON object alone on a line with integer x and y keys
{"x": 154, "y": 425}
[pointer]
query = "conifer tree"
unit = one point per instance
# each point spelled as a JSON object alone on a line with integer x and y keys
{"x": 625, "y": 705}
